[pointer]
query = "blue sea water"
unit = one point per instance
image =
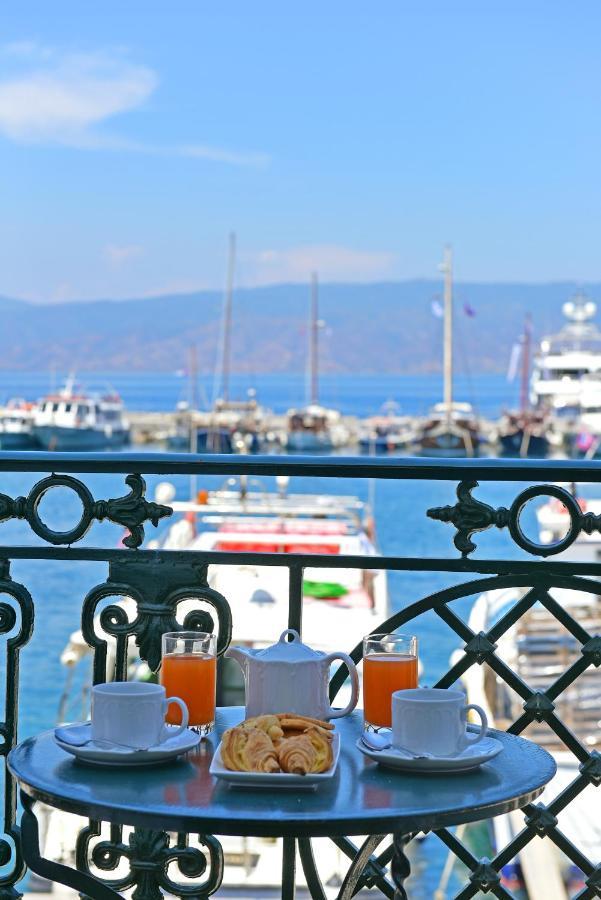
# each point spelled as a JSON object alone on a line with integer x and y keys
{"x": 58, "y": 588}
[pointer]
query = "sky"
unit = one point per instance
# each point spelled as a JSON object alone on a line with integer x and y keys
{"x": 350, "y": 138}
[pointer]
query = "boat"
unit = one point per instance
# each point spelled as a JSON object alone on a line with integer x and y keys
{"x": 524, "y": 432}
{"x": 313, "y": 427}
{"x": 16, "y": 421}
{"x": 230, "y": 426}
{"x": 568, "y": 364}
{"x": 452, "y": 428}
{"x": 538, "y": 648}
{"x": 74, "y": 420}
{"x": 388, "y": 432}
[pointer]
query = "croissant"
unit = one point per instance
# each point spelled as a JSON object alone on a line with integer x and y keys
{"x": 248, "y": 750}
{"x": 322, "y": 744}
{"x": 297, "y": 754}
{"x": 298, "y": 723}
{"x": 269, "y": 724}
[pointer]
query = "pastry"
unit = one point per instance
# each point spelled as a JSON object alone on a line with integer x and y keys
{"x": 248, "y": 750}
{"x": 297, "y": 755}
{"x": 284, "y": 742}
{"x": 322, "y": 744}
{"x": 269, "y": 724}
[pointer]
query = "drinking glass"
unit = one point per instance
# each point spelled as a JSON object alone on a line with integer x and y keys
{"x": 188, "y": 671}
{"x": 389, "y": 665}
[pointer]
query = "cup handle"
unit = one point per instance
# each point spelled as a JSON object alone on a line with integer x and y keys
{"x": 483, "y": 724}
{"x": 345, "y": 658}
{"x": 185, "y": 716}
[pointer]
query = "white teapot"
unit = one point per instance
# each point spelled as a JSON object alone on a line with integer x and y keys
{"x": 291, "y": 677}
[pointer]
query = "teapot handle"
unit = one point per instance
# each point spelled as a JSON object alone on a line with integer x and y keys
{"x": 345, "y": 658}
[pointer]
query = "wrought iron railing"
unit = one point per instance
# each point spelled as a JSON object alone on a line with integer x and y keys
{"x": 159, "y": 580}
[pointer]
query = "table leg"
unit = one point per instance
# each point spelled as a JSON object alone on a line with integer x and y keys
{"x": 289, "y": 868}
{"x": 30, "y": 845}
{"x": 400, "y": 867}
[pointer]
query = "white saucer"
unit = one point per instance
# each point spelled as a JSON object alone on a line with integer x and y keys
{"x": 470, "y": 758}
{"x": 277, "y": 780}
{"x": 105, "y": 755}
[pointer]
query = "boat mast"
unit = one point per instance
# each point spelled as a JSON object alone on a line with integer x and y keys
{"x": 447, "y": 269}
{"x": 526, "y": 343}
{"x": 227, "y": 319}
{"x": 314, "y": 343}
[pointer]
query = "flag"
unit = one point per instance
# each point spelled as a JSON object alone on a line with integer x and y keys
{"x": 469, "y": 310}
{"x": 437, "y": 309}
{"x": 514, "y": 359}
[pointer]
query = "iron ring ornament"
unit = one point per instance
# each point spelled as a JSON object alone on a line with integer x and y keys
{"x": 470, "y": 516}
{"x": 131, "y": 511}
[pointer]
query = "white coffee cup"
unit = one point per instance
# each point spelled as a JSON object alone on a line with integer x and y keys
{"x": 433, "y": 720}
{"x": 132, "y": 714}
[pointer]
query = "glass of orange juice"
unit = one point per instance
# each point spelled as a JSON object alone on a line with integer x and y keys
{"x": 389, "y": 665}
{"x": 188, "y": 671}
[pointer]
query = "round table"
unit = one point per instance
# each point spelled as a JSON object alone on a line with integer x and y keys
{"x": 361, "y": 799}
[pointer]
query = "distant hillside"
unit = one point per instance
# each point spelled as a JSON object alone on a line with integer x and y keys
{"x": 371, "y": 328}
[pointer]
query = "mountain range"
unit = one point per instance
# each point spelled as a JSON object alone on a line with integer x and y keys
{"x": 388, "y": 327}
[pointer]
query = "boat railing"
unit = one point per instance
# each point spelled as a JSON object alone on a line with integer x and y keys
{"x": 159, "y": 580}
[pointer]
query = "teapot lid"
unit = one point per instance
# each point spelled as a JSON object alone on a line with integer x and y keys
{"x": 288, "y": 651}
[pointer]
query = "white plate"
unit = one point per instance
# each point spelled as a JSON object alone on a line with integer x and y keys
{"x": 471, "y": 758}
{"x": 274, "y": 779}
{"x": 97, "y": 755}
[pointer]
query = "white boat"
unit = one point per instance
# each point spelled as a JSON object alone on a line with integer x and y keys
{"x": 568, "y": 364}
{"x": 539, "y": 649}
{"x": 16, "y": 421}
{"x": 73, "y": 420}
{"x": 340, "y": 605}
{"x": 313, "y": 427}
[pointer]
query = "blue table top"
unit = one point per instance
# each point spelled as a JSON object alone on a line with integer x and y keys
{"x": 362, "y": 798}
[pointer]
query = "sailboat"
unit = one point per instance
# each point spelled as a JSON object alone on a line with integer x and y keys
{"x": 523, "y": 432}
{"x": 313, "y": 427}
{"x": 451, "y": 428}
{"x": 231, "y": 425}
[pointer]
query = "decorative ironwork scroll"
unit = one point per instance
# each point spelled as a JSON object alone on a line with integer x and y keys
{"x": 470, "y": 516}
{"x": 149, "y": 854}
{"x": 10, "y": 850}
{"x": 130, "y": 511}
{"x": 157, "y": 586}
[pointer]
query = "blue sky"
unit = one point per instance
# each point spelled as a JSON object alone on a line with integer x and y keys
{"x": 355, "y": 138}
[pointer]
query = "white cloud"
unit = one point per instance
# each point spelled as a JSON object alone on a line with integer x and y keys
{"x": 331, "y": 261}
{"x": 216, "y": 154}
{"x": 52, "y": 97}
{"x": 59, "y": 100}
{"x": 118, "y": 254}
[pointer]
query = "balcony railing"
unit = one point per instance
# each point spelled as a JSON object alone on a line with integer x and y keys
{"x": 159, "y": 580}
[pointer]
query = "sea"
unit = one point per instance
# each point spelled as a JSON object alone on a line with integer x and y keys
{"x": 59, "y": 588}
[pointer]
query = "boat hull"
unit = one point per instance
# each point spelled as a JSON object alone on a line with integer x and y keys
{"x": 15, "y": 441}
{"x": 308, "y": 440}
{"x": 51, "y": 437}
{"x": 449, "y": 444}
{"x": 516, "y": 444}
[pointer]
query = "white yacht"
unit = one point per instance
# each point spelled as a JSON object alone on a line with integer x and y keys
{"x": 568, "y": 364}
{"x": 16, "y": 421}
{"x": 73, "y": 420}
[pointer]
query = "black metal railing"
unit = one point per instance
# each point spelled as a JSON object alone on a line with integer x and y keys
{"x": 159, "y": 580}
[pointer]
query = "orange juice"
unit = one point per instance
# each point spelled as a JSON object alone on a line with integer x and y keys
{"x": 383, "y": 674}
{"x": 190, "y": 676}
